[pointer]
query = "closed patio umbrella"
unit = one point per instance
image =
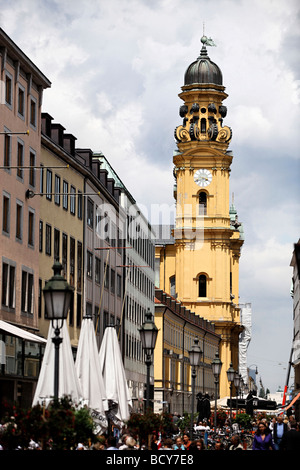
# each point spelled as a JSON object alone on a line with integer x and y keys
{"x": 114, "y": 377}
{"x": 89, "y": 373}
{"x": 68, "y": 381}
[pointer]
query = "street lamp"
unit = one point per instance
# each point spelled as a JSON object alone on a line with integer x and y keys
{"x": 237, "y": 384}
{"x": 230, "y": 377}
{"x": 195, "y": 354}
{"x": 216, "y": 368}
{"x": 58, "y": 295}
{"x": 148, "y": 334}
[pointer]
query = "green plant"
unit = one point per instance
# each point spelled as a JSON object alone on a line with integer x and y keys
{"x": 143, "y": 425}
{"x": 60, "y": 426}
{"x": 244, "y": 420}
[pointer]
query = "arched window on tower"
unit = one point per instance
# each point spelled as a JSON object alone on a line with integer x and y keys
{"x": 172, "y": 286}
{"x": 203, "y": 125}
{"x": 202, "y": 285}
{"x": 202, "y": 203}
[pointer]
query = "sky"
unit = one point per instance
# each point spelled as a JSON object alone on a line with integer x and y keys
{"x": 116, "y": 69}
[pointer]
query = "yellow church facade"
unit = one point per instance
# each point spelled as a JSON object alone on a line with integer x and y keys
{"x": 201, "y": 265}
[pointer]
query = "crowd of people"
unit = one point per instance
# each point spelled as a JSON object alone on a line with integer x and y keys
{"x": 280, "y": 433}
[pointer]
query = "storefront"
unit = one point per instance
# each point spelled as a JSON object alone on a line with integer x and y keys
{"x": 21, "y": 354}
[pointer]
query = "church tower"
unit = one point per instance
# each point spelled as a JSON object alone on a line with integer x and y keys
{"x": 203, "y": 264}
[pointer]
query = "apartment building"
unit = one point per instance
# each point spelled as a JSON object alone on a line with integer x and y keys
{"x": 22, "y": 87}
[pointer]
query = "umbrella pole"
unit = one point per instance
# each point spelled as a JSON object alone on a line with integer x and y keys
{"x": 57, "y": 340}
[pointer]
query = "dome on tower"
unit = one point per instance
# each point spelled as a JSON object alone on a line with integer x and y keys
{"x": 203, "y": 70}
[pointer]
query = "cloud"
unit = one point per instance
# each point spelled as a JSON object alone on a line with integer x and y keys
{"x": 117, "y": 68}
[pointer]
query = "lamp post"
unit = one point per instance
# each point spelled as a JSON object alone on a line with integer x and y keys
{"x": 148, "y": 334}
{"x": 195, "y": 354}
{"x": 58, "y": 295}
{"x": 216, "y": 368}
{"x": 237, "y": 384}
{"x": 230, "y": 377}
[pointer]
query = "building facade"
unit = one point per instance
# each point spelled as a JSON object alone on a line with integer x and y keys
{"x": 135, "y": 243}
{"x": 178, "y": 329}
{"x": 202, "y": 265}
{"x": 61, "y": 222}
{"x": 22, "y": 87}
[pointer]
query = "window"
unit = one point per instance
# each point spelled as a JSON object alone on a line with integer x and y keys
{"x": 49, "y": 185}
{"x": 106, "y": 279}
{"x": 8, "y": 89}
{"x": 119, "y": 285}
{"x": 202, "y": 285}
{"x": 112, "y": 281}
{"x": 89, "y": 309}
{"x": 7, "y": 149}
{"x": 172, "y": 286}
{"x": 202, "y": 203}
{"x": 56, "y": 244}
{"x": 6, "y": 214}
{"x": 57, "y": 190}
{"x": 32, "y": 169}
{"x": 90, "y": 213}
{"x": 71, "y": 311}
{"x": 40, "y": 293}
{"x": 78, "y": 310}
{"x": 19, "y": 221}
{"x": 89, "y": 265}
{"x": 72, "y": 200}
{"x": 79, "y": 205}
{"x": 65, "y": 254}
{"x": 105, "y": 319}
{"x": 41, "y": 179}
{"x": 27, "y": 292}
{"x": 72, "y": 261}
{"x": 41, "y": 234}
{"x": 48, "y": 239}
{"x": 8, "y": 285}
{"x": 203, "y": 126}
{"x": 65, "y": 195}
{"x": 20, "y": 159}
{"x": 79, "y": 265}
{"x": 97, "y": 270}
{"x": 33, "y": 112}
{"x": 21, "y": 102}
{"x": 31, "y": 227}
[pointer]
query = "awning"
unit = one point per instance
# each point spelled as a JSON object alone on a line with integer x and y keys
{"x": 15, "y": 331}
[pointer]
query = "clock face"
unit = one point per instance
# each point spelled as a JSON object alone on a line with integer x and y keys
{"x": 202, "y": 177}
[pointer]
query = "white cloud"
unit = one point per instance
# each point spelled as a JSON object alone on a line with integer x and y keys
{"x": 116, "y": 69}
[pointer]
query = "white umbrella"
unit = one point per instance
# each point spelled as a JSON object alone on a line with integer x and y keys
{"x": 68, "y": 381}
{"x": 113, "y": 373}
{"x": 89, "y": 373}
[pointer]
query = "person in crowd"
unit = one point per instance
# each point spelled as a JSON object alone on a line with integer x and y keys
{"x": 186, "y": 441}
{"x": 178, "y": 444}
{"x": 130, "y": 443}
{"x": 196, "y": 445}
{"x": 155, "y": 441}
{"x": 236, "y": 443}
{"x": 167, "y": 444}
{"x": 291, "y": 438}
{"x": 262, "y": 438}
{"x": 112, "y": 443}
{"x": 219, "y": 445}
{"x": 279, "y": 428}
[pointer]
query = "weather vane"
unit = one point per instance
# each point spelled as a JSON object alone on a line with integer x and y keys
{"x": 207, "y": 41}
